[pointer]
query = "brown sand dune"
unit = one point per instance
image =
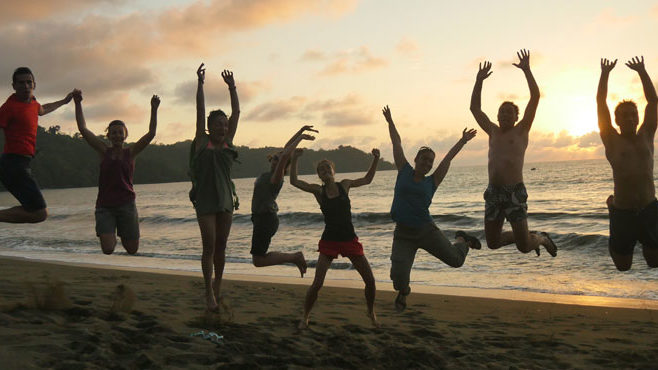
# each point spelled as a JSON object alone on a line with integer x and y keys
{"x": 125, "y": 319}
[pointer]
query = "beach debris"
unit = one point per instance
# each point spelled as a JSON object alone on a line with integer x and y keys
{"x": 210, "y": 335}
{"x": 49, "y": 296}
{"x": 123, "y": 299}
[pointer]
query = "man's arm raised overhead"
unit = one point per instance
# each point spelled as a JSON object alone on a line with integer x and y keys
{"x": 531, "y": 108}
{"x": 605, "y": 123}
{"x": 484, "y": 71}
{"x": 649, "y": 125}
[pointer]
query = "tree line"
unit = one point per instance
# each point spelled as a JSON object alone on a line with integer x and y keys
{"x": 67, "y": 161}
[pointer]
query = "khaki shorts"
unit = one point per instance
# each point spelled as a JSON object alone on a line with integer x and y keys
{"x": 121, "y": 220}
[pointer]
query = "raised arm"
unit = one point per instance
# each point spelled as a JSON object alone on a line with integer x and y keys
{"x": 200, "y": 102}
{"x": 299, "y": 184}
{"x": 442, "y": 170}
{"x": 235, "y": 104}
{"x": 398, "y": 153}
{"x": 290, "y": 147}
{"x": 531, "y": 108}
{"x": 97, "y": 144}
{"x": 367, "y": 179}
{"x": 484, "y": 71}
{"x": 605, "y": 123}
{"x": 300, "y": 133}
{"x": 649, "y": 125}
{"x": 49, "y": 107}
{"x": 153, "y": 124}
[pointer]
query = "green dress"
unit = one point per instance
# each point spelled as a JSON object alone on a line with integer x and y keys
{"x": 213, "y": 190}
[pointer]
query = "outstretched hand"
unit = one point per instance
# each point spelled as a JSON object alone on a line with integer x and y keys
{"x": 375, "y": 152}
{"x": 155, "y": 102}
{"x": 308, "y": 128}
{"x": 201, "y": 73}
{"x": 607, "y": 65}
{"x": 308, "y": 137}
{"x": 76, "y": 94}
{"x": 468, "y": 134}
{"x": 524, "y": 60}
{"x": 228, "y": 78}
{"x": 387, "y": 114}
{"x": 484, "y": 70}
{"x": 636, "y": 64}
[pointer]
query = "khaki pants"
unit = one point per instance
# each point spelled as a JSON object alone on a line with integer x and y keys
{"x": 407, "y": 240}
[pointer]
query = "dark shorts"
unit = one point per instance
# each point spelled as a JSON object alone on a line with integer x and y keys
{"x": 629, "y": 226}
{"x": 348, "y": 248}
{"x": 16, "y": 176}
{"x": 265, "y": 226}
{"x": 506, "y": 201}
{"x": 122, "y": 220}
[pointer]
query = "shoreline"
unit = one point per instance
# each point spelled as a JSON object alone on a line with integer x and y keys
{"x": 500, "y": 294}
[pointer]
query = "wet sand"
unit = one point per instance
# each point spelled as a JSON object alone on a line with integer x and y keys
{"x": 74, "y": 317}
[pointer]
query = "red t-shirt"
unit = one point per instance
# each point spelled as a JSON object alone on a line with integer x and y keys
{"x": 20, "y": 121}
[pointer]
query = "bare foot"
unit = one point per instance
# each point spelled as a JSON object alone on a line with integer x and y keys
{"x": 373, "y": 318}
{"x": 216, "y": 284}
{"x": 211, "y": 304}
{"x": 548, "y": 243}
{"x": 401, "y": 300}
{"x": 303, "y": 323}
{"x": 300, "y": 261}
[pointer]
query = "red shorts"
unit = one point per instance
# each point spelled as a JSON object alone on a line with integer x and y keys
{"x": 345, "y": 249}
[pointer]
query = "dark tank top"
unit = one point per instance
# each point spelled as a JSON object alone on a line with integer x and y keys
{"x": 115, "y": 180}
{"x": 337, "y": 216}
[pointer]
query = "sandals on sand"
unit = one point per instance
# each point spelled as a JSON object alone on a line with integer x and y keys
{"x": 473, "y": 241}
{"x": 551, "y": 248}
{"x": 401, "y": 300}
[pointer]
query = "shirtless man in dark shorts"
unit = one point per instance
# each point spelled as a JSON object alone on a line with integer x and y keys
{"x": 633, "y": 208}
{"x": 506, "y": 195}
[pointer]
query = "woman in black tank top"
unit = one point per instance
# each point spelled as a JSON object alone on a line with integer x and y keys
{"x": 338, "y": 236}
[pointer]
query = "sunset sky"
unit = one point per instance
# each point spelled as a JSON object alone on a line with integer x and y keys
{"x": 333, "y": 64}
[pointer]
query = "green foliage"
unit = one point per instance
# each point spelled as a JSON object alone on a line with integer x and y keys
{"x": 64, "y": 161}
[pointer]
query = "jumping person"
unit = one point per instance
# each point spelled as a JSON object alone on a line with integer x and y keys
{"x": 338, "y": 236}
{"x": 19, "y": 118}
{"x": 414, "y": 227}
{"x": 633, "y": 208}
{"x": 506, "y": 196}
{"x": 264, "y": 208}
{"x": 116, "y": 213}
{"x": 213, "y": 192}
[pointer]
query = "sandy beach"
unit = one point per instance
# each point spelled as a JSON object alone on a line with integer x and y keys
{"x": 79, "y": 317}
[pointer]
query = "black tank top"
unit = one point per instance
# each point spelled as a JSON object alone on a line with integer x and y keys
{"x": 337, "y": 216}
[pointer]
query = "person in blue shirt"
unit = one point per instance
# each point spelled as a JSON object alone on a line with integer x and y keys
{"x": 414, "y": 227}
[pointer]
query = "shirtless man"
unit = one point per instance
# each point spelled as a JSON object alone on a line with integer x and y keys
{"x": 506, "y": 195}
{"x": 633, "y": 208}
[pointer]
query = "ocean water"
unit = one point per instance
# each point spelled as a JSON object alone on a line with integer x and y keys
{"x": 566, "y": 199}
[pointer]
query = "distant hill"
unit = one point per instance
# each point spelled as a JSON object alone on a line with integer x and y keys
{"x": 64, "y": 161}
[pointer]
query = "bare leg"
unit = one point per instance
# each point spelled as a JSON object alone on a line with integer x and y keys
{"x": 278, "y": 258}
{"x": 622, "y": 262}
{"x": 130, "y": 246}
{"x": 651, "y": 256}
{"x": 363, "y": 267}
{"x": 19, "y": 215}
{"x": 493, "y": 231}
{"x": 207, "y": 225}
{"x": 321, "y": 268}
{"x": 222, "y": 228}
{"x": 108, "y": 242}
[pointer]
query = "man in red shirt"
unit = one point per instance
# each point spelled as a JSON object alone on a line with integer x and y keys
{"x": 19, "y": 117}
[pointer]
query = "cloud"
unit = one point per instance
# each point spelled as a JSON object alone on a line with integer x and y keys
{"x": 407, "y": 46}
{"x": 108, "y": 53}
{"x": 20, "y": 11}
{"x": 276, "y": 110}
{"x": 216, "y": 92}
{"x": 348, "y": 61}
{"x": 343, "y": 112}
